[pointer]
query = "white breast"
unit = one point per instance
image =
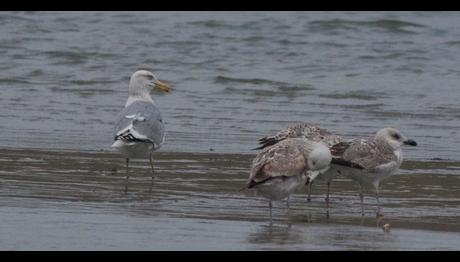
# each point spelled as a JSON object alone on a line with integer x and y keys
{"x": 398, "y": 154}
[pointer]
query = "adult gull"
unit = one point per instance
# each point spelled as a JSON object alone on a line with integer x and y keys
{"x": 139, "y": 127}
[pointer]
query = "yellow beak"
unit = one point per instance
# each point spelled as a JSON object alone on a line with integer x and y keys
{"x": 161, "y": 86}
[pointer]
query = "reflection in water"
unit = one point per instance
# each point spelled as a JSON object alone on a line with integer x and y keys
{"x": 280, "y": 234}
{"x": 314, "y": 236}
{"x": 126, "y": 185}
{"x": 362, "y": 239}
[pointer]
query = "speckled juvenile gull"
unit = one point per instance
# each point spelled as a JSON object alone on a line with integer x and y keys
{"x": 281, "y": 169}
{"x": 299, "y": 130}
{"x": 311, "y": 132}
{"x": 139, "y": 128}
{"x": 370, "y": 160}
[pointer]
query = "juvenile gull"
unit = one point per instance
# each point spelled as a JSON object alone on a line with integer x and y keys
{"x": 305, "y": 130}
{"x": 285, "y": 167}
{"x": 368, "y": 161}
{"x": 139, "y": 128}
{"x": 311, "y": 132}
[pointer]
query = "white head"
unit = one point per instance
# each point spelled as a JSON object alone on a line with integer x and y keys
{"x": 141, "y": 81}
{"x": 394, "y": 138}
{"x": 320, "y": 157}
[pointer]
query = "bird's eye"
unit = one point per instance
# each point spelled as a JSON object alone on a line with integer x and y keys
{"x": 149, "y": 77}
{"x": 396, "y": 136}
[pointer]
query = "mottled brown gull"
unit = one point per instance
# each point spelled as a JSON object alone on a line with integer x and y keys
{"x": 311, "y": 132}
{"x": 370, "y": 160}
{"x": 281, "y": 169}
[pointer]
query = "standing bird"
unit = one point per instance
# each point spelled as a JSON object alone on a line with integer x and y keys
{"x": 139, "y": 128}
{"x": 311, "y": 132}
{"x": 285, "y": 167}
{"x": 368, "y": 161}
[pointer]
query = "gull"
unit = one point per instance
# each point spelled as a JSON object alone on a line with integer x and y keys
{"x": 311, "y": 132}
{"x": 139, "y": 128}
{"x": 370, "y": 160}
{"x": 281, "y": 169}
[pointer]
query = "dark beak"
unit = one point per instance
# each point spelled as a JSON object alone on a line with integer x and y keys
{"x": 410, "y": 142}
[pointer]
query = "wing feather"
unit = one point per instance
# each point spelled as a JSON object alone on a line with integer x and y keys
{"x": 362, "y": 154}
{"x": 140, "y": 122}
{"x": 305, "y": 130}
{"x": 282, "y": 160}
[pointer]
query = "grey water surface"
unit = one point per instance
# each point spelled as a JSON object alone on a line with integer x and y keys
{"x": 236, "y": 77}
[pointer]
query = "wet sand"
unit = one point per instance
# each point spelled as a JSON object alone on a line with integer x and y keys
{"x": 61, "y": 200}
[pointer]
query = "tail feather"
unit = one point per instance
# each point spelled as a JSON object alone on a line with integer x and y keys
{"x": 263, "y": 139}
{"x": 266, "y": 142}
{"x": 258, "y": 148}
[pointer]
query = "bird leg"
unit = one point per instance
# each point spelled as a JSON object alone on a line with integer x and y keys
{"x": 151, "y": 165}
{"x": 379, "y": 214}
{"x": 309, "y": 191}
{"x": 327, "y": 199}
{"x": 127, "y": 175}
{"x": 361, "y": 197}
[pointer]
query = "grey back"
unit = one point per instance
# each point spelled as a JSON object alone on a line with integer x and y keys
{"x": 152, "y": 127}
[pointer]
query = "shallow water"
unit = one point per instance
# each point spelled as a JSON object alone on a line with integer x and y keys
{"x": 236, "y": 76}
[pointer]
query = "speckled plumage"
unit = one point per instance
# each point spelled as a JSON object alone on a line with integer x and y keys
{"x": 285, "y": 167}
{"x": 310, "y": 132}
{"x": 370, "y": 160}
{"x": 305, "y": 130}
{"x": 366, "y": 160}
